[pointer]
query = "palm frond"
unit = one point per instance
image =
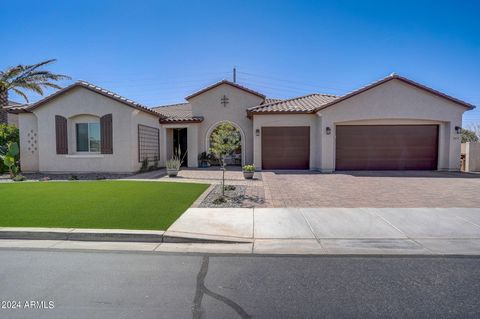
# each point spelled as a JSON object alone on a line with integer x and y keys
{"x": 30, "y": 77}
{"x": 11, "y": 73}
{"x": 32, "y": 67}
{"x": 20, "y": 93}
{"x": 32, "y": 86}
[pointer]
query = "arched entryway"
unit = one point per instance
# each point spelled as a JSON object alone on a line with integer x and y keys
{"x": 238, "y": 158}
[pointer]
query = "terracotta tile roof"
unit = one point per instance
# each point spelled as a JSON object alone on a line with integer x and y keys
{"x": 96, "y": 89}
{"x": 174, "y": 113}
{"x": 12, "y": 103}
{"x": 238, "y": 86}
{"x": 270, "y": 100}
{"x": 15, "y": 107}
{"x": 394, "y": 76}
{"x": 302, "y": 104}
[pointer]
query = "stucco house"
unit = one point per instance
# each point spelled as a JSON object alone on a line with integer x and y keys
{"x": 392, "y": 124}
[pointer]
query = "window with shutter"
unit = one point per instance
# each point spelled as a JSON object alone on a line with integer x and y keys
{"x": 106, "y": 136}
{"x": 61, "y": 134}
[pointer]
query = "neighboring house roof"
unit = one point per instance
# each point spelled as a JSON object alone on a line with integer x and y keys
{"x": 95, "y": 89}
{"x": 303, "y": 104}
{"x": 15, "y": 107}
{"x": 173, "y": 113}
{"x": 394, "y": 76}
{"x": 13, "y": 103}
{"x": 236, "y": 85}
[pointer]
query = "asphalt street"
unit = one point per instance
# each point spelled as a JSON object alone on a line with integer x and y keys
{"x": 88, "y": 284}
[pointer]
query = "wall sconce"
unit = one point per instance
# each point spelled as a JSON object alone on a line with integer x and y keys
{"x": 257, "y": 132}
{"x": 328, "y": 130}
{"x": 458, "y": 130}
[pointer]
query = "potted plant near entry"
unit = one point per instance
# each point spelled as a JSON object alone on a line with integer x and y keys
{"x": 173, "y": 166}
{"x": 203, "y": 159}
{"x": 248, "y": 171}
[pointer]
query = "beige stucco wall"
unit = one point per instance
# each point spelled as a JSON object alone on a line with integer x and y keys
{"x": 309, "y": 120}
{"x": 208, "y": 105}
{"x": 78, "y": 105}
{"x": 395, "y": 102}
{"x": 12, "y": 119}
{"x": 27, "y": 125}
{"x": 472, "y": 156}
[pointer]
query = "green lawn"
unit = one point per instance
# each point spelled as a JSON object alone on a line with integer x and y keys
{"x": 95, "y": 204}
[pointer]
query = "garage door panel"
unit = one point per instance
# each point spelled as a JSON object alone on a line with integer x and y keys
{"x": 285, "y": 147}
{"x": 386, "y": 147}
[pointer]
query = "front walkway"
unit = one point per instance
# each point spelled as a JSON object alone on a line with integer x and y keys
{"x": 336, "y": 230}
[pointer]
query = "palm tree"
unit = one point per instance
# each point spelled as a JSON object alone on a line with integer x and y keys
{"x": 22, "y": 78}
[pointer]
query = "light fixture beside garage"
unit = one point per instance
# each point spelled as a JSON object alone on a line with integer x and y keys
{"x": 328, "y": 130}
{"x": 257, "y": 132}
{"x": 458, "y": 130}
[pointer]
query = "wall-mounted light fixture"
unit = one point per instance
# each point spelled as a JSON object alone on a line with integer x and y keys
{"x": 328, "y": 130}
{"x": 458, "y": 130}
{"x": 257, "y": 132}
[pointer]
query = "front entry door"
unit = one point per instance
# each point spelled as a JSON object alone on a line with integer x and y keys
{"x": 180, "y": 144}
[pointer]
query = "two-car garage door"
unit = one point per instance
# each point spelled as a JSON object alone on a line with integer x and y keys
{"x": 386, "y": 147}
{"x": 358, "y": 147}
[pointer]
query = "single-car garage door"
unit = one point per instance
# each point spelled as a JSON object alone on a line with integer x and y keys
{"x": 285, "y": 147}
{"x": 386, "y": 147}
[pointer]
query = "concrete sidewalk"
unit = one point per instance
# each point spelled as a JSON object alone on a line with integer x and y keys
{"x": 296, "y": 231}
{"x": 335, "y": 230}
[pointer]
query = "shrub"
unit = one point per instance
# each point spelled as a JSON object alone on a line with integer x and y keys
{"x": 249, "y": 168}
{"x": 9, "y": 134}
{"x": 19, "y": 178}
{"x": 144, "y": 166}
{"x": 230, "y": 187}
{"x": 219, "y": 200}
{"x": 174, "y": 163}
{"x": 9, "y": 158}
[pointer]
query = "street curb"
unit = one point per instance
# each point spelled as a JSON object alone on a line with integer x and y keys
{"x": 197, "y": 240}
{"x": 106, "y": 235}
{"x": 82, "y": 235}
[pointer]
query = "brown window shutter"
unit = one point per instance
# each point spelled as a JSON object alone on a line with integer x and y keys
{"x": 106, "y": 134}
{"x": 61, "y": 134}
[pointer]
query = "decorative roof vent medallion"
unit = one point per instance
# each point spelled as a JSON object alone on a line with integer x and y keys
{"x": 224, "y": 100}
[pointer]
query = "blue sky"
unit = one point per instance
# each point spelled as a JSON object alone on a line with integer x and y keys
{"x": 158, "y": 52}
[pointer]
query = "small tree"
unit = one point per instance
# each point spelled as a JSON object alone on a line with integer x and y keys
{"x": 225, "y": 140}
{"x": 469, "y": 136}
{"x": 475, "y": 127}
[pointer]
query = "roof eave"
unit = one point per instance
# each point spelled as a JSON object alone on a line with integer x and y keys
{"x": 84, "y": 85}
{"x": 238, "y": 86}
{"x": 400, "y": 78}
{"x": 250, "y": 113}
{"x": 180, "y": 121}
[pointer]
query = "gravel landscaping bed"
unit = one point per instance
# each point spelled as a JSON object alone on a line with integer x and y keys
{"x": 63, "y": 177}
{"x": 238, "y": 197}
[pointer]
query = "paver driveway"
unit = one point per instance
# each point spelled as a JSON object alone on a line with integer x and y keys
{"x": 371, "y": 189}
